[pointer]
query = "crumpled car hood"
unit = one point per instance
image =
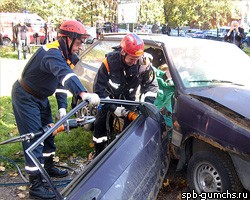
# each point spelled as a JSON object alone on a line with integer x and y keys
{"x": 234, "y": 98}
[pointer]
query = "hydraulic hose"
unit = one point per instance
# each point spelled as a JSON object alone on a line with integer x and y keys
{"x": 58, "y": 184}
{"x": 14, "y": 163}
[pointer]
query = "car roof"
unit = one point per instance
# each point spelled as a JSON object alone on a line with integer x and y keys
{"x": 149, "y": 37}
{"x": 160, "y": 38}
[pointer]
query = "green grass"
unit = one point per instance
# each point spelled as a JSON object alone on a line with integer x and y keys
{"x": 247, "y": 50}
{"x": 75, "y": 144}
{"x": 8, "y": 52}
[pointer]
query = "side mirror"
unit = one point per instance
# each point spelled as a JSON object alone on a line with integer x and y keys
{"x": 89, "y": 41}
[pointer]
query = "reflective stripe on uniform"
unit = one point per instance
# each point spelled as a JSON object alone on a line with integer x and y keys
{"x": 48, "y": 154}
{"x": 114, "y": 85}
{"x": 61, "y": 91}
{"x": 67, "y": 77}
{"x": 32, "y": 169}
{"x": 100, "y": 140}
{"x": 45, "y": 48}
{"x": 150, "y": 94}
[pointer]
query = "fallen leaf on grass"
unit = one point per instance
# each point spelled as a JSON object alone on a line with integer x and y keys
{"x": 183, "y": 183}
{"x": 91, "y": 145}
{"x": 166, "y": 182}
{"x": 56, "y": 159}
{"x": 21, "y": 195}
{"x": 90, "y": 156}
{"x": 179, "y": 196}
{"x": 18, "y": 153}
{"x": 13, "y": 174}
{"x": 12, "y": 134}
{"x": 22, "y": 188}
{"x": 2, "y": 168}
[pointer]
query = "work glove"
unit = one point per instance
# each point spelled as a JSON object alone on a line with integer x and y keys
{"x": 92, "y": 98}
{"x": 61, "y": 113}
{"x": 120, "y": 111}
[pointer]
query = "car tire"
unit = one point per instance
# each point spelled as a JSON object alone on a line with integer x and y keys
{"x": 212, "y": 171}
{"x": 6, "y": 42}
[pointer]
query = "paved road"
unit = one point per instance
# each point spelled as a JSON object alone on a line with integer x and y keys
{"x": 10, "y": 71}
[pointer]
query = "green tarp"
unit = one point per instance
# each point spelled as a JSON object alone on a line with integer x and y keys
{"x": 164, "y": 95}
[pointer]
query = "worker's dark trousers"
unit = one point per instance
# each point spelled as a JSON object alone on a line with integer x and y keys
{"x": 100, "y": 127}
{"x": 104, "y": 121}
{"x": 31, "y": 114}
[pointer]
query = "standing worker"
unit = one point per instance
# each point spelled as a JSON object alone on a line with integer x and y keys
{"x": 20, "y": 32}
{"x": 119, "y": 77}
{"x": 48, "y": 69}
{"x": 98, "y": 29}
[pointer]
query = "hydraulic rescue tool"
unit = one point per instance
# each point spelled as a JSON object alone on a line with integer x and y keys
{"x": 69, "y": 124}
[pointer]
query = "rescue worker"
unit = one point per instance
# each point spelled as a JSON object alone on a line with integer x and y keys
{"x": 48, "y": 69}
{"x": 119, "y": 76}
{"x": 20, "y": 32}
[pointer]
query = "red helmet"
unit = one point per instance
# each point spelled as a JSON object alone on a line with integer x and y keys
{"x": 73, "y": 29}
{"x": 133, "y": 45}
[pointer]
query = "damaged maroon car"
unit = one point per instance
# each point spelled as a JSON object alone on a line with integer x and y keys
{"x": 211, "y": 115}
{"x": 208, "y": 109}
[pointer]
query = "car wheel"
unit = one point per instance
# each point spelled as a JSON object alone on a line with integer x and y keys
{"x": 6, "y": 42}
{"x": 212, "y": 172}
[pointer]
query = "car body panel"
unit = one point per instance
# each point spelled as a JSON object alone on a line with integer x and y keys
{"x": 199, "y": 34}
{"x": 210, "y": 124}
{"x": 128, "y": 170}
{"x": 190, "y": 32}
{"x": 226, "y": 96}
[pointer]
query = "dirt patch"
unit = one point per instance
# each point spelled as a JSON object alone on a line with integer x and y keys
{"x": 175, "y": 183}
{"x": 14, "y": 187}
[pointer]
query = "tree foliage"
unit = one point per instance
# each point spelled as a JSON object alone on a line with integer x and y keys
{"x": 199, "y": 13}
{"x": 178, "y": 13}
{"x": 151, "y": 11}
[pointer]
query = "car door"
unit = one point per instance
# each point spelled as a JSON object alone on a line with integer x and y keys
{"x": 91, "y": 60}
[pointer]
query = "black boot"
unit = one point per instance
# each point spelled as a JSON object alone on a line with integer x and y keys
{"x": 99, "y": 147}
{"x": 52, "y": 170}
{"x": 37, "y": 189}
